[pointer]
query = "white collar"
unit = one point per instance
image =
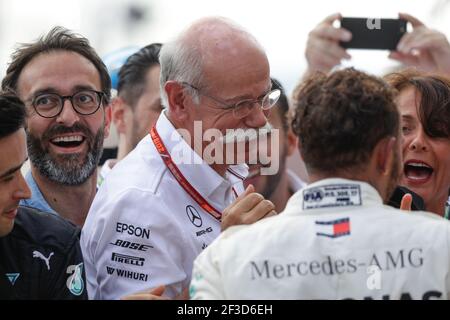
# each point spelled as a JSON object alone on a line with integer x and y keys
{"x": 199, "y": 174}
{"x": 313, "y": 199}
{"x": 295, "y": 183}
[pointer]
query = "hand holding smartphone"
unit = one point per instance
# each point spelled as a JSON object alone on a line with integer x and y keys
{"x": 397, "y": 196}
{"x": 368, "y": 33}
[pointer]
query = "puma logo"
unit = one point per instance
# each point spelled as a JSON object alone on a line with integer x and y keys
{"x": 37, "y": 254}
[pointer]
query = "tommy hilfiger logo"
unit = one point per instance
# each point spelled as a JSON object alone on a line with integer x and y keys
{"x": 333, "y": 228}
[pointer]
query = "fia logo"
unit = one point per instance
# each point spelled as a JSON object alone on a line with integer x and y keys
{"x": 373, "y": 24}
{"x": 194, "y": 216}
{"x": 313, "y": 195}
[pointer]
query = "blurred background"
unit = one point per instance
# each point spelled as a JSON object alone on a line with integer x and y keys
{"x": 281, "y": 26}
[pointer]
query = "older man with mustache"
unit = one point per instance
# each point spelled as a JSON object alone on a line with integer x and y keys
{"x": 156, "y": 212}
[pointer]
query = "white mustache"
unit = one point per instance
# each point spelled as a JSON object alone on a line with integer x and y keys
{"x": 242, "y": 135}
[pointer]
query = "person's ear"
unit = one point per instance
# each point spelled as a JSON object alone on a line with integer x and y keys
{"x": 108, "y": 117}
{"x": 118, "y": 110}
{"x": 385, "y": 151}
{"x": 176, "y": 97}
{"x": 292, "y": 142}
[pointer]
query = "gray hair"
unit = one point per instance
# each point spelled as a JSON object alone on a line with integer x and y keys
{"x": 182, "y": 59}
{"x": 182, "y": 63}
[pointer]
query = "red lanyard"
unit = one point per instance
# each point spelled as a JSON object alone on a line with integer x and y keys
{"x": 167, "y": 159}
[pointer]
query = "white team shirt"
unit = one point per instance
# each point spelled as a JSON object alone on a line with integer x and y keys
{"x": 335, "y": 240}
{"x": 143, "y": 228}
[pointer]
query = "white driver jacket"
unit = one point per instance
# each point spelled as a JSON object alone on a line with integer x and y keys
{"x": 143, "y": 229}
{"x": 335, "y": 240}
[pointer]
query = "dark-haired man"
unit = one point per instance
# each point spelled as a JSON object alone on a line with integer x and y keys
{"x": 66, "y": 88}
{"x": 138, "y": 104}
{"x": 40, "y": 256}
{"x": 336, "y": 239}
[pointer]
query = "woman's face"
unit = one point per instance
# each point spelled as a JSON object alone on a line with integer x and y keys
{"x": 426, "y": 161}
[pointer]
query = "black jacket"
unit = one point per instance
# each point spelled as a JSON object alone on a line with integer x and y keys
{"x": 41, "y": 258}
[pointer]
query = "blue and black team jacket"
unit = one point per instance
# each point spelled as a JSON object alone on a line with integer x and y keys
{"x": 41, "y": 258}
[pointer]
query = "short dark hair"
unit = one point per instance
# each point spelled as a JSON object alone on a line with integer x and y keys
{"x": 434, "y": 107}
{"x": 282, "y": 106}
{"x": 132, "y": 75}
{"x": 12, "y": 114}
{"x": 340, "y": 118}
{"x": 58, "y": 38}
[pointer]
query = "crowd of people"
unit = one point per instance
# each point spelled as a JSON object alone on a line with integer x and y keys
{"x": 200, "y": 203}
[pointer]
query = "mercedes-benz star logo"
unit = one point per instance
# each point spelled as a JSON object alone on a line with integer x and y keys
{"x": 194, "y": 216}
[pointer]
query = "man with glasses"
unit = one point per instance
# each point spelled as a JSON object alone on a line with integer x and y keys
{"x": 66, "y": 88}
{"x": 166, "y": 201}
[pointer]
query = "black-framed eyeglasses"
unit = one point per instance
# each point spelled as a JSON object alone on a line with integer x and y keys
{"x": 243, "y": 108}
{"x": 85, "y": 102}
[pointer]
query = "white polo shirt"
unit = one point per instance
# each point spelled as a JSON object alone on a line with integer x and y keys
{"x": 143, "y": 228}
{"x": 335, "y": 240}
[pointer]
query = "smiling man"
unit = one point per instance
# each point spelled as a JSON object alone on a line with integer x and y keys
{"x": 153, "y": 214}
{"x": 66, "y": 88}
{"x": 40, "y": 257}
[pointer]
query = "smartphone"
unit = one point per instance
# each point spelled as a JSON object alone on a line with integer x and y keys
{"x": 397, "y": 195}
{"x": 371, "y": 33}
